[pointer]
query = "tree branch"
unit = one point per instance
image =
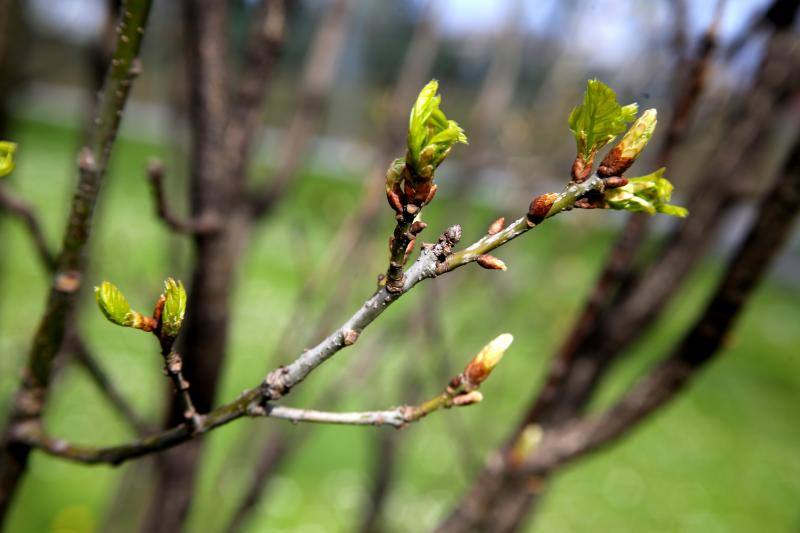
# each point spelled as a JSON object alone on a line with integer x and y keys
{"x": 262, "y": 51}
{"x": 89, "y": 362}
{"x": 765, "y": 238}
{"x": 19, "y": 208}
{"x": 92, "y": 164}
{"x": 507, "y": 480}
{"x": 319, "y": 74}
{"x": 433, "y": 261}
{"x": 193, "y": 226}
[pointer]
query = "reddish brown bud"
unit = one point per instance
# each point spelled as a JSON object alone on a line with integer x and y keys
{"x": 431, "y": 194}
{"x": 409, "y": 249}
{"x": 591, "y": 200}
{"x": 490, "y": 262}
{"x": 581, "y": 169}
{"x": 417, "y": 227}
{"x": 159, "y": 308}
{"x": 615, "y": 181}
{"x": 614, "y": 163}
{"x": 540, "y": 206}
{"x": 394, "y": 201}
{"x": 496, "y": 226}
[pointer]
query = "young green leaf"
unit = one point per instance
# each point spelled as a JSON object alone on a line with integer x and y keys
{"x": 118, "y": 311}
{"x": 430, "y": 134}
{"x": 649, "y": 194}
{"x": 598, "y": 119}
{"x": 174, "y": 307}
{"x": 7, "y": 150}
{"x": 113, "y": 304}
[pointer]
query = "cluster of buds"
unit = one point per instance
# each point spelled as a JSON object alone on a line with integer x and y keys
{"x": 167, "y": 316}
{"x": 7, "y": 150}
{"x": 431, "y": 136}
{"x": 595, "y": 123}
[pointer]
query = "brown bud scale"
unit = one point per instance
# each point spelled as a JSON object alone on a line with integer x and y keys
{"x": 491, "y": 262}
{"x": 540, "y": 206}
{"x": 496, "y": 226}
{"x": 614, "y": 164}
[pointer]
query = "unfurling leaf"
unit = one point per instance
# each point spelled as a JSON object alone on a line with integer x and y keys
{"x": 482, "y": 364}
{"x": 117, "y": 310}
{"x": 622, "y": 156}
{"x": 174, "y": 308}
{"x": 7, "y": 150}
{"x": 598, "y": 119}
{"x": 649, "y": 194}
{"x": 430, "y": 134}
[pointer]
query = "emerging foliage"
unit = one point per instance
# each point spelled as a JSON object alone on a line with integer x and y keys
{"x": 117, "y": 310}
{"x": 431, "y": 135}
{"x": 635, "y": 140}
{"x": 649, "y": 194}
{"x": 114, "y": 305}
{"x": 599, "y": 119}
{"x": 174, "y": 307}
{"x": 7, "y": 150}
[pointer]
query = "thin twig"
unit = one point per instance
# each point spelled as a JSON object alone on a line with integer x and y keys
{"x": 89, "y": 362}
{"x": 432, "y": 262}
{"x": 264, "y": 47}
{"x": 155, "y": 175}
{"x": 751, "y": 261}
{"x": 17, "y": 207}
{"x": 278, "y": 447}
{"x": 92, "y": 165}
{"x": 515, "y": 481}
{"x": 319, "y": 74}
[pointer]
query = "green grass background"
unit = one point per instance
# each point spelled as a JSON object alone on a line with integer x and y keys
{"x": 725, "y": 457}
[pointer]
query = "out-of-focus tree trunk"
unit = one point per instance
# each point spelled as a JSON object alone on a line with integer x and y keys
{"x": 212, "y": 195}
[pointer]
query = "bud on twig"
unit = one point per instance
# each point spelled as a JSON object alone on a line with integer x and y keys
{"x": 431, "y": 135}
{"x": 540, "y": 207}
{"x": 622, "y": 156}
{"x": 482, "y": 364}
{"x": 409, "y": 249}
{"x": 496, "y": 226}
{"x": 117, "y": 310}
{"x": 649, "y": 194}
{"x": 490, "y": 262}
{"x": 595, "y": 123}
{"x": 394, "y": 178}
{"x": 469, "y": 398}
{"x": 614, "y": 181}
{"x": 174, "y": 308}
{"x": 7, "y": 150}
{"x": 417, "y": 227}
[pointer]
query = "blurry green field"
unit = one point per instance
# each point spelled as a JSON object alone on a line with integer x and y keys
{"x": 725, "y": 457}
